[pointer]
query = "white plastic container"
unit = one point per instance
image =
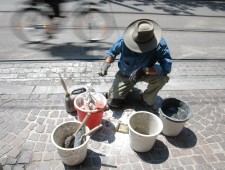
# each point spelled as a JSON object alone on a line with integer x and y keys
{"x": 144, "y": 127}
{"x": 70, "y": 156}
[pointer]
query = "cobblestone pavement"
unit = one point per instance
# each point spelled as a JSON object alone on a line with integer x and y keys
{"x": 27, "y": 119}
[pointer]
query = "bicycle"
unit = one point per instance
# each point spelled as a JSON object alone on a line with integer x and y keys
{"x": 89, "y": 22}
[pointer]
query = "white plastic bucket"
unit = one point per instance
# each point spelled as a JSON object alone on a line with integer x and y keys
{"x": 70, "y": 156}
{"x": 174, "y": 113}
{"x": 144, "y": 127}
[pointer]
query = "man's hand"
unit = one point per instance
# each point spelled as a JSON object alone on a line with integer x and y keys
{"x": 136, "y": 75}
{"x": 103, "y": 69}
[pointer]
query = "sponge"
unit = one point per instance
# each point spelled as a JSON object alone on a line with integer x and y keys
{"x": 123, "y": 128}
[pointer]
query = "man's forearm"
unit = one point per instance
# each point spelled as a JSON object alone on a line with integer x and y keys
{"x": 150, "y": 71}
{"x": 109, "y": 60}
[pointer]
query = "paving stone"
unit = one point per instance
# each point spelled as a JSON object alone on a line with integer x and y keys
{"x": 40, "y": 120}
{"x": 220, "y": 156}
{"x": 37, "y": 156}
{"x": 3, "y": 133}
{"x": 34, "y": 96}
{"x": 222, "y": 144}
{"x": 7, "y": 167}
{"x": 2, "y": 144}
{"x": 51, "y": 121}
{"x": 40, "y": 128}
{"x": 5, "y": 96}
{"x": 146, "y": 165}
{"x": 32, "y": 126}
{"x": 54, "y": 114}
{"x": 24, "y": 134}
{"x": 122, "y": 159}
{"x": 134, "y": 158}
{"x": 11, "y": 128}
{"x": 32, "y": 118}
{"x": 219, "y": 165}
{"x": 14, "y": 152}
{"x": 9, "y": 138}
{"x": 18, "y": 142}
{"x": 186, "y": 161}
{"x": 34, "y": 136}
{"x": 35, "y": 112}
{"x": 199, "y": 159}
{"x": 205, "y": 166}
{"x": 189, "y": 167}
{"x": 39, "y": 147}
{"x": 44, "y": 113}
{"x": 174, "y": 163}
{"x": 59, "y": 121}
{"x": 11, "y": 161}
{"x": 50, "y": 147}
{"x": 48, "y": 156}
{"x": 50, "y": 128}
{"x": 24, "y": 157}
{"x": 43, "y": 138}
{"x": 137, "y": 166}
{"x": 5, "y": 149}
{"x": 22, "y": 124}
{"x": 57, "y": 156}
{"x": 28, "y": 145}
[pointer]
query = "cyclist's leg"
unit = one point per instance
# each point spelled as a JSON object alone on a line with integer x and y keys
{"x": 55, "y": 5}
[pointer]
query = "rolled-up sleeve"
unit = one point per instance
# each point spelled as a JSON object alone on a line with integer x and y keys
{"x": 116, "y": 48}
{"x": 164, "y": 59}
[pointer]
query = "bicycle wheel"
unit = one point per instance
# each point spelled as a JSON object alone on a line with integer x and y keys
{"x": 93, "y": 24}
{"x": 31, "y": 25}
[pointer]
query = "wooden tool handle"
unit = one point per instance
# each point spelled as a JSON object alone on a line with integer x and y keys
{"x": 82, "y": 123}
{"x": 93, "y": 130}
{"x": 63, "y": 84}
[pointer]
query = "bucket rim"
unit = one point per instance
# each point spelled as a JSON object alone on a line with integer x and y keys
{"x": 90, "y": 111}
{"x": 173, "y": 119}
{"x": 152, "y": 114}
{"x": 67, "y": 149}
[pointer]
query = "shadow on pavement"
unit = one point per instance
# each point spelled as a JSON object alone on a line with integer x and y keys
{"x": 92, "y": 160}
{"x": 133, "y": 101}
{"x": 158, "y": 154}
{"x": 186, "y": 139}
{"x": 68, "y": 51}
{"x": 170, "y": 6}
{"x": 107, "y": 133}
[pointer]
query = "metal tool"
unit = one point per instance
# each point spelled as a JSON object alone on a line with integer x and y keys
{"x": 69, "y": 141}
{"x": 69, "y": 98}
{"x": 79, "y": 141}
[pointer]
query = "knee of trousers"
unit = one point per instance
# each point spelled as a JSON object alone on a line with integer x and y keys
{"x": 161, "y": 81}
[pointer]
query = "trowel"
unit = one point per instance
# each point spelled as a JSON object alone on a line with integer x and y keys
{"x": 81, "y": 139}
{"x": 69, "y": 141}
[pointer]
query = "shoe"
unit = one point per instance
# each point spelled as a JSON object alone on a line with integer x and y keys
{"x": 150, "y": 108}
{"x": 106, "y": 95}
{"x": 115, "y": 103}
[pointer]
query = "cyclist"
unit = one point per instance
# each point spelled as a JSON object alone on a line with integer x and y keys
{"x": 55, "y": 5}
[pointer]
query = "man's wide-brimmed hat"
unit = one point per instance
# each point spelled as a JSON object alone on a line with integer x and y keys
{"x": 142, "y": 35}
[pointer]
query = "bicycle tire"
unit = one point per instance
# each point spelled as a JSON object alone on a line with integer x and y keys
{"x": 30, "y": 25}
{"x": 93, "y": 24}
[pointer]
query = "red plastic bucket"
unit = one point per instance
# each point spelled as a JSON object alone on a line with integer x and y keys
{"x": 95, "y": 118}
